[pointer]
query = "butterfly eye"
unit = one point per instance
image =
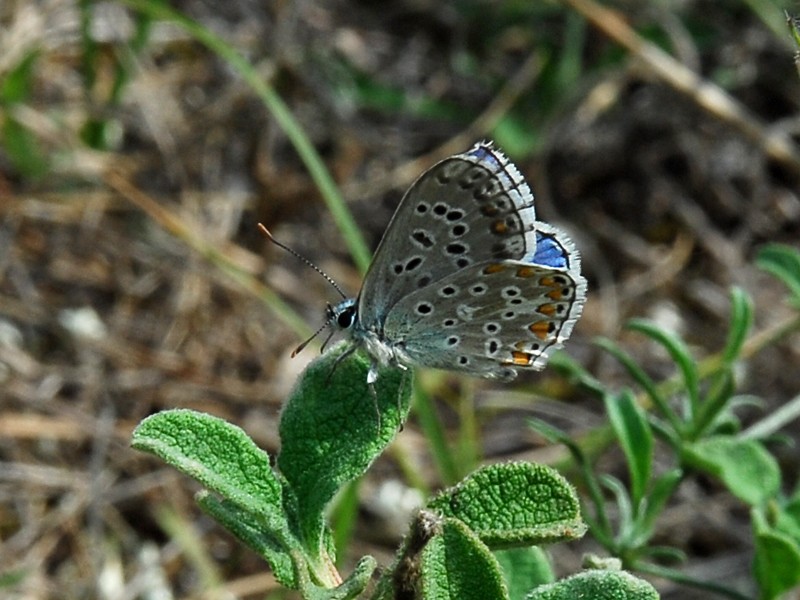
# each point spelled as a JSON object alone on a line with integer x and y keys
{"x": 345, "y": 318}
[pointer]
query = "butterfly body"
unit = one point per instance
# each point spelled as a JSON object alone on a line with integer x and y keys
{"x": 465, "y": 278}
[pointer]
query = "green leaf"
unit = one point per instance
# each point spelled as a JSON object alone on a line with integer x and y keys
{"x": 552, "y": 434}
{"x": 218, "y": 455}
{"x": 634, "y": 435}
{"x": 741, "y": 321}
{"x": 350, "y": 588}
{"x": 565, "y": 365}
{"x": 600, "y": 524}
{"x": 433, "y": 429}
{"x": 680, "y": 354}
{"x": 787, "y": 519}
{"x": 776, "y": 564}
{"x": 597, "y": 585}
{"x": 644, "y": 380}
{"x": 222, "y": 458}
{"x": 456, "y": 565}
{"x": 357, "y": 581}
{"x": 245, "y": 526}
{"x": 15, "y": 86}
{"x": 514, "y": 504}
{"x": 777, "y": 559}
{"x": 783, "y": 262}
{"x": 716, "y": 410}
{"x": 716, "y": 414}
{"x": 331, "y": 431}
{"x": 747, "y": 469}
{"x": 625, "y": 518}
{"x": 794, "y": 28}
{"x": 661, "y": 492}
{"x": 524, "y": 569}
{"x": 22, "y": 147}
{"x": 343, "y": 516}
{"x": 12, "y": 578}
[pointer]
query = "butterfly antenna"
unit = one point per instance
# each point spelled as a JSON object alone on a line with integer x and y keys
{"x": 296, "y": 254}
{"x": 299, "y": 349}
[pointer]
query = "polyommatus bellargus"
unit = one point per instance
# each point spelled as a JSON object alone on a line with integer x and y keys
{"x": 465, "y": 278}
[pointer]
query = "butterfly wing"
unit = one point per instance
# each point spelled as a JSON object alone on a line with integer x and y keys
{"x": 465, "y": 210}
{"x": 493, "y": 317}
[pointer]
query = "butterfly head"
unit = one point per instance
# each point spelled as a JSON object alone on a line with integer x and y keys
{"x": 343, "y": 315}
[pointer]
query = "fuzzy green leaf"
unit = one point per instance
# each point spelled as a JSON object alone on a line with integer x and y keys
{"x": 218, "y": 455}
{"x": 222, "y": 458}
{"x": 330, "y": 431}
{"x": 456, "y": 565}
{"x": 514, "y": 504}
{"x": 245, "y": 526}
{"x": 350, "y": 588}
{"x": 597, "y": 585}
{"x": 744, "y": 465}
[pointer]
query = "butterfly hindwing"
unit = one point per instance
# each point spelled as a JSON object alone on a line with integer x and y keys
{"x": 489, "y": 319}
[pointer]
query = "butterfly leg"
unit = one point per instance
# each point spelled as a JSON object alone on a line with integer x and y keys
{"x": 372, "y": 377}
{"x": 407, "y": 381}
{"x": 397, "y": 363}
{"x": 338, "y": 361}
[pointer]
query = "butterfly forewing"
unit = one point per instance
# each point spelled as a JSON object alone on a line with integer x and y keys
{"x": 465, "y": 210}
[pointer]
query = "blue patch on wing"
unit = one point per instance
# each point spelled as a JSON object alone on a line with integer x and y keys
{"x": 549, "y": 252}
{"x": 487, "y": 156}
{"x": 480, "y": 152}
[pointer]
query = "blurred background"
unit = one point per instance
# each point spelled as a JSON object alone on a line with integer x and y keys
{"x": 136, "y": 160}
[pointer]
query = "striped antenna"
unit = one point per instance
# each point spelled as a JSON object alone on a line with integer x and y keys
{"x": 296, "y": 254}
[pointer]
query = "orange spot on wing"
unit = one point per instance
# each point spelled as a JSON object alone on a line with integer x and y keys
{"x": 540, "y": 329}
{"x": 547, "y": 281}
{"x": 495, "y": 268}
{"x": 526, "y": 272}
{"x": 521, "y": 359}
{"x": 547, "y": 309}
{"x": 556, "y": 294}
{"x": 499, "y": 227}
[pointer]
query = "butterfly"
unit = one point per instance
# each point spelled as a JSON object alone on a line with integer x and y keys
{"x": 465, "y": 278}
